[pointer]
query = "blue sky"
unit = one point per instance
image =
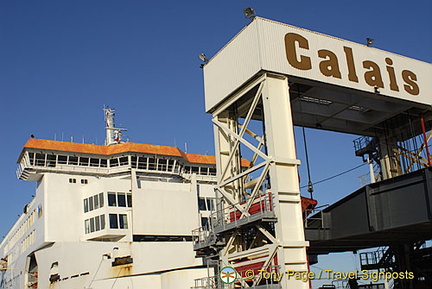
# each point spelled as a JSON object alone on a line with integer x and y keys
{"x": 61, "y": 61}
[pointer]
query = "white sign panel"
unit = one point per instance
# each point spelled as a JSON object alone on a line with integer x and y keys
{"x": 276, "y": 47}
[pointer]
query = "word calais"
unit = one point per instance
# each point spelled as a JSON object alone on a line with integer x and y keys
{"x": 329, "y": 66}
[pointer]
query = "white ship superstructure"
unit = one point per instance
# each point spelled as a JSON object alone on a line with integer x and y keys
{"x": 115, "y": 216}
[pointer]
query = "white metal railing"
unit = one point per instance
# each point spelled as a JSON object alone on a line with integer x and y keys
{"x": 205, "y": 283}
{"x": 201, "y": 235}
{"x": 25, "y": 164}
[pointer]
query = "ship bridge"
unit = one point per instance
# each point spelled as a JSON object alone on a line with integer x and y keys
{"x": 276, "y": 76}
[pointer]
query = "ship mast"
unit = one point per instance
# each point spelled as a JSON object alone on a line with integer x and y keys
{"x": 113, "y": 134}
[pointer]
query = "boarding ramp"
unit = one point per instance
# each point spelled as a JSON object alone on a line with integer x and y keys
{"x": 396, "y": 210}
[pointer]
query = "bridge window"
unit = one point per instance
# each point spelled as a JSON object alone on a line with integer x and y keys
{"x": 119, "y": 199}
{"x": 93, "y": 202}
{"x": 212, "y": 171}
{"x": 151, "y": 164}
{"x": 73, "y": 160}
{"x": 94, "y": 224}
{"x": 113, "y": 221}
{"x": 103, "y": 163}
{"x": 118, "y": 221}
{"x": 124, "y": 161}
{"x": 84, "y": 161}
{"x": 162, "y": 165}
{"x": 134, "y": 161}
{"x": 94, "y": 162}
{"x": 40, "y": 159}
{"x": 62, "y": 160}
{"x": 114, "y": 162}
{"x": 51, "y": 160}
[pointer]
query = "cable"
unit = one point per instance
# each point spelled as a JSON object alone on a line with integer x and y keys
{"x": 116, "y": 278}
{"x": 335, "y": 176}
{"x": 309, "y": 185}
{"x": 97, "y": 270}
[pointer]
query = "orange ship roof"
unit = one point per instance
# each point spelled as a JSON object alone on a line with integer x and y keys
{"x": 121, "y": 148}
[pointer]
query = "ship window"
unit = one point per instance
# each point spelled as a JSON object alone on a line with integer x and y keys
{"x": 114, "y": 162}
{"x": 84, "y": 161}
{"x": 92, "y": 225}
{"x": 151, "y": 164}
{"x": 73, "y": 160}
{"x": 212, "y": 171}
{"x": 62, "y": 160}
{"x": 40, "y": 159}
{"x": 121, "y": 197}
{"x": 195, "y": 170}
{"x": 201, "y": 204}
{"x": 103, "y": 163}
{"x": 142, "y": 163}
{"x": 113, "y": 221}
{"x": 134, "y": 161}
{"x": 118, "y": 221}
{"x": 84, "y": 181}
{"x": 112, "y": 200}
{"x": 51, "y": 160}
{"x": 91, "y": 204}
{"x": 129, "y": 200}
{"x": 210, "y": 204}
{"x": 206, "y": 204}
{"x": 170, "y": 165}
{"x": 97, "y": 223}
{"x": 102, "y": 221}
{"x": 124, "y": 161}
{"x": 72, "y": 181}
{"x": 87, "y": 226}
{"x": 123, "y": 221}
{"x": 162, "y": 165}
{"x": 204, "y": 222}
{"x": 94, "y": 162}
{"x": 32, "y": 158}
{"x": 96, "y": 202}
{"x": 187, "y": 170}
{"x": 85, "y": 205}
{"x": 101, "y": 200}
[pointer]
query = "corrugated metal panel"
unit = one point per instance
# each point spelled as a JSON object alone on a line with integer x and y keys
{"x": 232, "y": 66}
{"x": 261, "y": 45}
{"x": 274, "y": 58}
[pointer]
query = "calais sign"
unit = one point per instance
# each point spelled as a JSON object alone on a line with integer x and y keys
{"x": 268, "y": 46}
{"x": 329, "y": 65}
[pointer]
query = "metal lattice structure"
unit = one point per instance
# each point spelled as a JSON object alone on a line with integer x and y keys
{"x": 259, "y": 217}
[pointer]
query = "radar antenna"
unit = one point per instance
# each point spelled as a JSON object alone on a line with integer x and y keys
{"x": 113, "y": 134}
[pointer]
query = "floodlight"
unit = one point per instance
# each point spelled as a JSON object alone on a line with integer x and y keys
{"x": 249, "y": 13}
{"x": 203, "y": 58}
{"x": 369, "y": 41}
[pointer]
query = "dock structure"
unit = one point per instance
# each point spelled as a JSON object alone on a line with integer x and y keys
{"x": 271, "y": 77}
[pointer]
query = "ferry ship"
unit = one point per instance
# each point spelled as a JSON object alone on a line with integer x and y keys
{"x": 118, "y": 215}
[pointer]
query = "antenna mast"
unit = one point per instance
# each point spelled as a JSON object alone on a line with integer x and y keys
{"x": 113, "y": 134}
